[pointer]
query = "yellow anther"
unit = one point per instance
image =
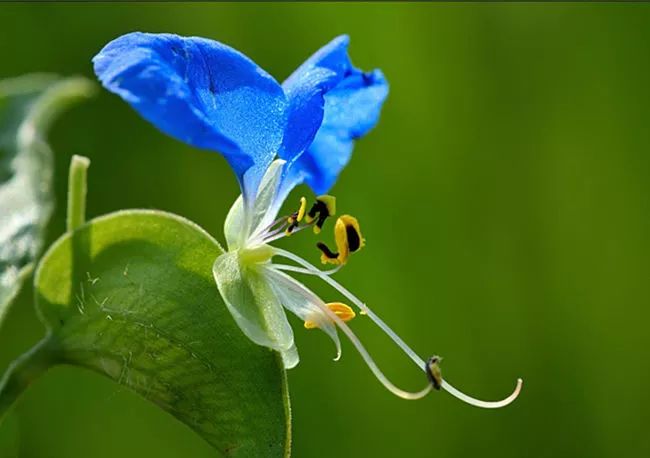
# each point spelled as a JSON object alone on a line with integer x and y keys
{"x": 328, "y": 256}
{"x": 330, "y": 203}
{"x": 348, "y": 238}
{"x": 324, "y": 207}
{"x": 296, "y": 216}
{"x": 302, "y": 209}
{"x": 343, "y": 311}
{"x": 348, "y": 233}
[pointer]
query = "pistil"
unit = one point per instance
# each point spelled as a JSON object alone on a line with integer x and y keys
{"x": 309, "y": 269}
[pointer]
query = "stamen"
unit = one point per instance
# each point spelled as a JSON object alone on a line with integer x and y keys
{"x": 341, "y": 310}
{"x": 301, "y": 270}
{"x": 280, "y": 233}
{"x": 301, "y": 289}
{"x": 347, "y": 228}
{"x": 268, "y": 228}
{"x": 328, "y": 256}
{"x": 301, "y": 210}
{"x": 347, "y": 235}
{"x": 312, "y": 270}
{"x": 295, "y": 218}
{"x": 289, "y": 225}
{"x": 273, "y": 233}
{"x": 324, "y": 207}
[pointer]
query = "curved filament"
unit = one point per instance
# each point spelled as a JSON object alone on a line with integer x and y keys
{"x": 301, "y": 289}
{"x": 479, "y": 403}
{"x": 310, "y": 269}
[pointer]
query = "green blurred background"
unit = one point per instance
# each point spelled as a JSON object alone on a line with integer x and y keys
{"x": 505, "y": 197}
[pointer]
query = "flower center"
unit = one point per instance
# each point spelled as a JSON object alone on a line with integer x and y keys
{"x": 347, "y": 233}
{"x": 255, "y": 255}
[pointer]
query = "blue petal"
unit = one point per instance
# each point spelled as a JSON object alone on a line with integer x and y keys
{"x": 201, "y": 92}
{"x": 331, "y": 103}
{"x": 351, "y": 110}
{"x": 305, "y": 90}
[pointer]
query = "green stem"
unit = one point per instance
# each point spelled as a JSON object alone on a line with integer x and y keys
{"x": 77, "y": 186}
{"x": 23, "y": 371}
{"x": 56, "y": 98}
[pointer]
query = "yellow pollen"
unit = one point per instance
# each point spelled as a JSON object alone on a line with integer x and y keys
{"x": 348, "y": 238}
{"x": 343, "y": 311}
{"x": 302, "y": 209}
{"x": 296, "y": 216}
{"x": 323, "y": 208}
{"x": 330, "y": 203}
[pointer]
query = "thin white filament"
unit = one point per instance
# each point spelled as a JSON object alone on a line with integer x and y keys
{"x": 301, "y": 270}
{"x": 270, "y": 236}
{"x": 301, "y": 289}
{"x": 484, "y": 404}
{"x": 312, "y": 270}
{"x": 270, "y": 226}
{"x": 281, "y": 233}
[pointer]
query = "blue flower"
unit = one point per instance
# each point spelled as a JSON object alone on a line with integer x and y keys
{"x": 213, "y": 97}
{"x": 274, "y": 137}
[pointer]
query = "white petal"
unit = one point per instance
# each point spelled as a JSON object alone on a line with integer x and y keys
{"x": 303, "y": 306}
{"x": 244, "y": 221}
{"x": 252, "y": 303}
{"x": 262, "y": 213}
{"x": 234, "y": 227}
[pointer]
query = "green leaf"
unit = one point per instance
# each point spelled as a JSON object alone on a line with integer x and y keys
{"x": 131, "y": 295}
{"x": 28, "y": 105}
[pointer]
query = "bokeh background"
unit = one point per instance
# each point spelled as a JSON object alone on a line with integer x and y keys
{"x": 505, "y": 197}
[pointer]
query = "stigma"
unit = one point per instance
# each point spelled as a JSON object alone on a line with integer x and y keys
{"x": 432, "y": 369}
